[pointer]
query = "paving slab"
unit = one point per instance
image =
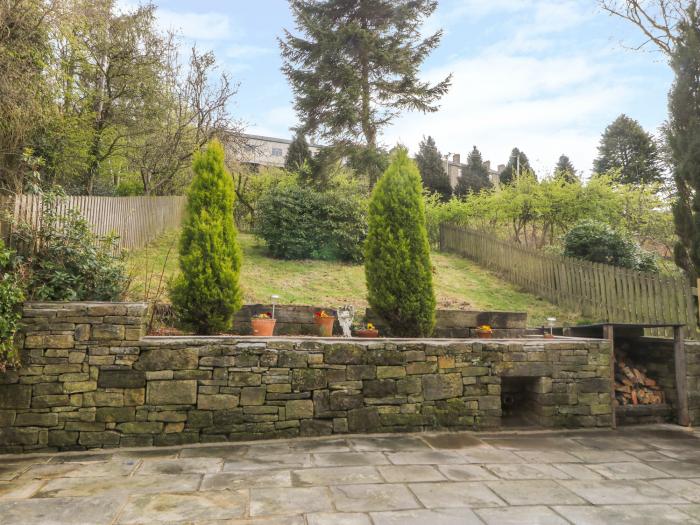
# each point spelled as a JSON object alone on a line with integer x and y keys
{"x": 269, "y": 502}
{"x": 245, "y": 479}
{"x": 679, "y": 469}
{"x": 373, "y": 497}
{"x": 453, "y": 441}
{"x": 171, "y": 507}
{"x": 466, "y": 472}
{"x": 341, "y": 459}
{"x": 628, "y": 470}
{"x": 624, "y": 515}
{"x": 275, "y": 462}
{"x": 526, "y": 471}
{"x": 335, "y": 476}
{"x": 534, "y": 492}
{"x": 338, "y": 518}
{"x": 89, "y": 487}
{"x": 388, "y": 444}
{"x": 455, "y": 495}
{"x": 620, "y": 492}
{"x": 410, "y": 473}
{"x": 681, "y": 487}
{"x": 61, "y": 511}
{"x": 536, "y": 515}
{"x": 424, "y": 517}
{"x": 180, "y": 466}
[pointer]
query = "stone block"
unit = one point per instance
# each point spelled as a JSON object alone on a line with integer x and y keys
{"x": 299, "y": 409}
{"x": 442, "y": 386}
{"x": 384, "y": 357}
{"x": 50, "y": 401}
{"x": 364, "y": 420}
{"x": 49, "y": 341}
{"x": 244, "y": 379}
{"x": 15, "y": 396}
{"x": 292, "y": 359}
{"x": 596, "y": 384}
{"x": 428, "y": 367}
{"x": 108, "y": 332}
{"x": 216, "y": 401}
{"x": 445, "y": 361}
{"x": 253, "y": 396}
{"x": 341, "y": 400}
{"x": 100, "y": 310}
{"x": 315, "y": 427}
{"x": 379, "y": 387}
{"x": 344, "y": 354}
{"x": 62, "y": 439}
{"x": 176, "y": 392}
{"x": 390, "y": 372}
{"x": 308, "y": 379}
{"x": 115, "y": 414}
{"x": 30, "y": 419}
{"x": 99, "y": 439}
{"x": 82, "y": 332}
{"x": 168, "y": 416}
{"x": 168, "y": 359}
{"x": 19, "y": 436}
{"x": 140, "y": 427}
{"x": 199, "y": 418}
{"x": 79, "y": 386}
{"x": 409, "y": 385}
{"x": 359, "y": 372}
{"x": 7, "y": 418}
{"x": 121, "y": 379}
{"x": 134, "y": 396}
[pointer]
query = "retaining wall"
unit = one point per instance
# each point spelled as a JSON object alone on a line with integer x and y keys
{"x": 90, "y": 379}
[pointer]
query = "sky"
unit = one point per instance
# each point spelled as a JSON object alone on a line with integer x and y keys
{"x": 546, "y": 76}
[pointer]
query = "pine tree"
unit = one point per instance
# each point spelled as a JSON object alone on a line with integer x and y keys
{"x": 625, "y": 145}
{"x": 432, "y": 169}
{"x": 518, "y": 164}
{"x": 474, "y": 176}
{"x": 206, "y": 294}
{"x": 397, "y": 254}
{"x": 565, "y": 170}
{"x": 683, "y": 133}
{"x": 298, "y": 153}
{"x": 354, "y": 67}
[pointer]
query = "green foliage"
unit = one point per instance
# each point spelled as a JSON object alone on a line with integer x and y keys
{"x": 599, "y": 243}
{"x": 432, "y": 169}
{"x": 518, "y": 164}
{"x": 368, "y": 162}
{"x": 474, "y": 176}
{"x": 354, "y": 67}
{"x": 683, "y": 134}
{"x": 626, "y": 147}
{"x": 65, "y": 261}
{"x": 397, "y": 255}
{"x": 206, "y": 294}
{"x": 11, "y": 297}
{"x": 298, "y": 221}
{"x": 250, "y": 185}
{"x": 129, "y": 188}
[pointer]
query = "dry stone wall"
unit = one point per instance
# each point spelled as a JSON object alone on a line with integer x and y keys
{"x": 90, "y": 379}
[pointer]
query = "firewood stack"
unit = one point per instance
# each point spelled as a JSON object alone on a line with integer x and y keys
{"x": 633, "y": 386}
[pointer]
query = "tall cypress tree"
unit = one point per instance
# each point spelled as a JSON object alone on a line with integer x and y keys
{"x": 683, "y": 133}
{"x": 474, "y": 176}
{"x": 565, "y": 169}
{"x": 432, "y": 169}
{"x": 397, "y": 253}
{"x": 354, "y": 66}
{"x": 298, "y": 153}
{"x": 206, "y": 293}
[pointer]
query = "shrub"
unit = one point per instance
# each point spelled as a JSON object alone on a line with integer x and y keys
{"x": 206, "y": 293}
{"x": 397, "y": 254}
{"x": 597, "y": 242}
{"x": 11, "y": 297}
{"x": 65, "y": 261}
{"x": 297, "y": 221}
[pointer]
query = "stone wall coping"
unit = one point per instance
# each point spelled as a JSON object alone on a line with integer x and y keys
{"x": 35, "y": 305}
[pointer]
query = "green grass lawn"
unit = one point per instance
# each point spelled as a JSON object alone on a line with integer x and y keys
{"x": 459, "y": 283}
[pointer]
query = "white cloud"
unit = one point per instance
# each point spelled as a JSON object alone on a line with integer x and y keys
{"x": 197, "y": 26}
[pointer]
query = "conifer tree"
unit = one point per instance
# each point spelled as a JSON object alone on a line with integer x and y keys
{"x": 353, "y": 67}
{"x": 397, "y": 254}
{"x": 298, "y": 153}
{"x": 432, "y": 169}
{"x": 474, "y": 176}
{"x": 518, "y": 164}
{"x": 565, "y": 169}
{"x": 206, "y": 294}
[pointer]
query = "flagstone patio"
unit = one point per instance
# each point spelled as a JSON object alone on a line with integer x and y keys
{"x": 642, "y": 475}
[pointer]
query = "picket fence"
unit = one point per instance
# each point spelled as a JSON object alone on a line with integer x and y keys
{"x": 135, "y": 220}
{"x": 599, "y": 292}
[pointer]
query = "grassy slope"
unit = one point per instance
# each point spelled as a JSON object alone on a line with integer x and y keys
{"x": 459, "y": 283}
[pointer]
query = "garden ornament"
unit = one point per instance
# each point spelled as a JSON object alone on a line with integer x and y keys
{"x": 345, "y": 316}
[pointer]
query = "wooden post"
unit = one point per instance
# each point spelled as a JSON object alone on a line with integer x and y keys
{"x": 681, "y": 367}
{"x": 609, "y": 334}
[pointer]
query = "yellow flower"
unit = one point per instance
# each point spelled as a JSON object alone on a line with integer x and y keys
{"x": 370, "y": 326}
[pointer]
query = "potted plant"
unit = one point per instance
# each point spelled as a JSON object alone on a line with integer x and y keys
{"x": 324, "y": 322}
{"x": 366, "y": 331}
{"x": 484, "y": 332}
{"x": 263, "y": 324}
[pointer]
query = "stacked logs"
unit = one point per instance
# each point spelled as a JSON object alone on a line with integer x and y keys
{"x": 633, "y": 386}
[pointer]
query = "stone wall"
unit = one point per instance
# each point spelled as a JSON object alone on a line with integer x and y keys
{"x": 89, "y": 379}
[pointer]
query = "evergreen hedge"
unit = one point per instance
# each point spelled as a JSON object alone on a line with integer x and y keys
{"x": 206, "y": 294}
{"x": 397, "y": 254}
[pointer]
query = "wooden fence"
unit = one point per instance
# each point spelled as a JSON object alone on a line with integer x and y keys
{"x": 599, "y": 292}
{"x": 135, "y": 220}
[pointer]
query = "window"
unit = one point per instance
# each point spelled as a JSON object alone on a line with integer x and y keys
{"x": 276, "y": 152}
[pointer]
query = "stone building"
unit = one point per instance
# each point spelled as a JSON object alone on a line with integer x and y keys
{"x": 453, "y": 167}
{"x": 259, "y": 150}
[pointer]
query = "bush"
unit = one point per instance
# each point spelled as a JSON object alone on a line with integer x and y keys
{"x": 597, "y": 242}
{"x": 11, "y": 297}
{"x": 298, "y": 221}
{"x": 397, "y": 254}
{"x": 65, "y": 261}
{"x": 206, "y": 294}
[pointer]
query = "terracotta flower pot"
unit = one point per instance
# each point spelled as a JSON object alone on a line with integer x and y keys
{"x": 325, "y": 326}
{"x": 484, "y": 334}
{"x": 367, "y": 332}
{"x": 263, "y": 327}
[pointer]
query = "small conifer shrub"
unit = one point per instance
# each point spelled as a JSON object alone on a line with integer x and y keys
{"x": 206, "y": 294}
{"x": 397, "y": 254}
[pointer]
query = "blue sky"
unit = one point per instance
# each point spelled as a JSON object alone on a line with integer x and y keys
{"x": 544, "y": 75}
